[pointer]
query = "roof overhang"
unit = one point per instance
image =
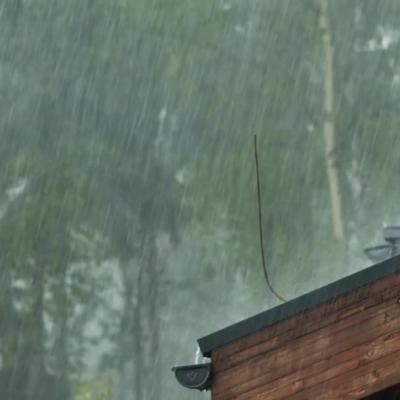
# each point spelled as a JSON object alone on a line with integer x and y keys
{"x": 299, "y": 305}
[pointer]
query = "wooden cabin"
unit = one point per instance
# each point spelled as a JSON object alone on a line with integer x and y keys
{"x": 341, "y": 341}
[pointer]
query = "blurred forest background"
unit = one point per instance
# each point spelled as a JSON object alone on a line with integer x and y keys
{"x": 128, "y": 208}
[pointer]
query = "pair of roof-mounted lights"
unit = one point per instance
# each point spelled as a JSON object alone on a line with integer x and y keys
{"x": 392, "y": 248}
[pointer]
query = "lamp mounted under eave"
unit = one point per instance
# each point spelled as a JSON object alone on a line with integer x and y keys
{"x": 379, "y": 253}
{"x": 392, "y": 235}
{"x": 196, "y": 376}
{"x": 384, "y": 251}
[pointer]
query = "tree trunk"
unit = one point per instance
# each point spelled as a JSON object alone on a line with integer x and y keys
{"x": 138, "y": 346}
{"x": 153, "y": 368}
{"x": 37, "y": 323}
{"x": 61, "y": 347}
{"x": 329, "y": 125}
{"x": 130, "y": 346}
{"x": 34, "y": 348}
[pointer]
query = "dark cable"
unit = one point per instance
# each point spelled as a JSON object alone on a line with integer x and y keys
{"x": 260, "y": 226}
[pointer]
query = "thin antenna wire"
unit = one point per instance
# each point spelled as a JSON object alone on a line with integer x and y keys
{"x": 260, "y": 227}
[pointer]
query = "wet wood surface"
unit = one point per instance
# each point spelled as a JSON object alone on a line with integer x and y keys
{"x": 347, "y": 348}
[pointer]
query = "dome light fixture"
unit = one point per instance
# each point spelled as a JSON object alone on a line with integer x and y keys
{"x": 384, "y": 251}
{"x": 392, "y": 234}
{"x": 379, "y": 253}
{"x": 196, "y": 376}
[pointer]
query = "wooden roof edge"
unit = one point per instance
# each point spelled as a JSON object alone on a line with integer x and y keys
{"x": 299, "y": 305}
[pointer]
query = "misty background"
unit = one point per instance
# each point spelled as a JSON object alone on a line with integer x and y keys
{"x": 128, "y": 202}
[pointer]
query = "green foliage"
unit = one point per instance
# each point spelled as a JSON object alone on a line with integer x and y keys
{"x": 97, "y": 389}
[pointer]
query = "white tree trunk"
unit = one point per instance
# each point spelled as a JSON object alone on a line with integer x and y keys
{"x": 329, "y": 125}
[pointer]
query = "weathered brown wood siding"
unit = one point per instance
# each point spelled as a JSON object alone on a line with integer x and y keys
{"x": 348, "y": 348}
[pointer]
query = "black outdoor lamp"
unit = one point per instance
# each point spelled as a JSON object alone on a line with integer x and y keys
{"x": 196, "y": 376}
{"x": 384, "y": 251}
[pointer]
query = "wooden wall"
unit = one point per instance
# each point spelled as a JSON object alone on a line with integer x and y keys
{"x": 348, "y": 348}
